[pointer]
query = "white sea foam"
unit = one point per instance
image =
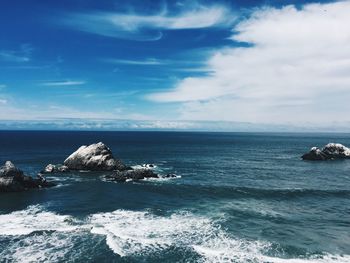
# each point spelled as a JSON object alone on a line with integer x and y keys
{"x": 49, "y": 237}
{"x": 129, "y": 233}
{"x": 326, "y": 258}
{"x": 161, "y": 179}
{"x": 44, "y": 236}
{"x": 32, "y": 219}
{"x": 145, "y": 166}
{"x": 39, "y": 247}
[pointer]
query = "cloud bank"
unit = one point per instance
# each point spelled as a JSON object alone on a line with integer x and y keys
{"x": 295, "y": 69}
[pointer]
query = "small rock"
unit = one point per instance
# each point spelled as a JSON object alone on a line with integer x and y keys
{"x": 137, "y": 174}
{"x": 59, "y": 168}
{"x": 170, "y": 176}
{"x": 50, "y": 168}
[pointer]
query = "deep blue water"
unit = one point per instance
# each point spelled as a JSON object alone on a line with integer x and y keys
{"x": 242, "y": 197}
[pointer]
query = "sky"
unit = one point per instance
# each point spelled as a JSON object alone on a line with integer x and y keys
{"x": 174, "y": 64}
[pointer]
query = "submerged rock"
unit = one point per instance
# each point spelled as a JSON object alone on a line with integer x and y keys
{"x": 137, "y": 174}
{"x": 329, "y": 152}
{"x": 95, "y": 157}
{"x": 13, "y": 179}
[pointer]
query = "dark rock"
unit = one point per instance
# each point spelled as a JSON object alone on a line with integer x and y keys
{"x": 10, "y": 184}
{"x": 13, "y": 179}
{"x": 137, "y": 174}
{"x": 9, "y": 170}
{"x": 336, "y": 151}
{"x": 314, "y": 154}
{"x": 170, "y": 176}
{"x": 330, "y": 151}
{"x": 95, "y": 157}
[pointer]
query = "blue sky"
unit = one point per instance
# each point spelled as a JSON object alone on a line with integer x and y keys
{"x": 261, "y": 62}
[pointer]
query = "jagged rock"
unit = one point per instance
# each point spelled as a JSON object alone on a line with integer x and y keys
{"x": 10, "y": 170}
{"x": 330, "y": 151}
{"x": 51, "y": 168}
{"x": 314, "y": 154}
{"x": 137, "y": 174}
{"x": 336, "y": 150}
{"x": 13, "y": 179}
{"x": 95, "y": 157}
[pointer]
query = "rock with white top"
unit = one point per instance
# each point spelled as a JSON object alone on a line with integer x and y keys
{"x": 329, "y": 152}
{"x": 94, "y": 157}
{"x": 55, "y": 168}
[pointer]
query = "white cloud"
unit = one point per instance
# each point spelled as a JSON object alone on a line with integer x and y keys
{"x": 64, "y": 83}
{"x": 148, "y": 27}
{"x": 295, "y": 70}
{"x": 3, "y": 101}
{"x": 146, "y": 62}
{"x": 23, "y": 54}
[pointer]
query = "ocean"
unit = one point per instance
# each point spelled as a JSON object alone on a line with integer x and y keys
{"x": 238, "y": 197}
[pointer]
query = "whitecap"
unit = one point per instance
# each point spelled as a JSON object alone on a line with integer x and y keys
{"x": 144, "y": 166}
{"x": 161, "y": 179}
{"x": 129, "y": 233}
{"x": 49, "y": 237}
{"x": 38, "y": 247}
{"x": 142, "y": 233}
{"x": 32, "y": 219}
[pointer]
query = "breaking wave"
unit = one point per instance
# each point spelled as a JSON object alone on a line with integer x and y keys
{"x": 47, "y": 236}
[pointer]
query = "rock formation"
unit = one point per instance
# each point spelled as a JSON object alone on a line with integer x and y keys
{"x": 134, "y": 174}
{"x": 55, "y": 168}
{"x": 13, "y": 179}
{"x": 329, "y": 152}
{"x": 95, "y": 157}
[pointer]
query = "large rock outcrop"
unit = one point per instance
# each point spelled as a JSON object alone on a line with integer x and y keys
{"x": 329, "y": 152}
{"x": 95, "y": 157}
{"x": 13, "y": 179}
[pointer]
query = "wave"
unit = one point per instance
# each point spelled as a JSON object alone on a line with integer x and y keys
{"x": 142, "y": 233}
{"x": 37, "y": 235}
{"x": 32, "y": 219}
{"x": 260, "y": 193}
{"x": 47, "y": 236}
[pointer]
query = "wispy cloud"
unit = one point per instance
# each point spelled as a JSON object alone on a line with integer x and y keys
{"x": 3, "y": 101}
{"x": 145, "y": 62}
{"x": 64, "y": 83}
{"x": 23, "y": 54}
{"x": 2, "y": 86}
{"x": 148, "y": 27}
{"x": 297, "y": 62}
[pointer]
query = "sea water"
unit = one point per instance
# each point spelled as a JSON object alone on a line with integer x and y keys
{"x": 237, "y": 197}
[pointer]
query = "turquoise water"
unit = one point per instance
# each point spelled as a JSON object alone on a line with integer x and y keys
{"x": 240, "y": 197}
